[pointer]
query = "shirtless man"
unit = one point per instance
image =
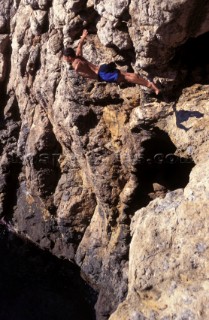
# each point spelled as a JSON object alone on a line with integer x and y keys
{"x": 106, "y": 72}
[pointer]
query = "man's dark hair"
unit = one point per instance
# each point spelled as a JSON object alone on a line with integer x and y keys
{"x": 69, "y": 52}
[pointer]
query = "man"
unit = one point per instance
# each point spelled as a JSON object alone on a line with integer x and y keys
{"x": 106, "y": 72}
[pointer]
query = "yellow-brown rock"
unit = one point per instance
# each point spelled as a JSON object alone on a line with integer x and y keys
{"x": 108, "y": 175}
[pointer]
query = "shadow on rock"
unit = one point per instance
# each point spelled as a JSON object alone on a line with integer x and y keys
{"x": 184, "y": 115}
{"x": 36, "y": 285}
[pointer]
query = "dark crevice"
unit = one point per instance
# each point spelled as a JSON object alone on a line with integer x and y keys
{"x": 86, "y": 122}
{"x": 37, "y": 64}
{"x": 78, "y": 6}
{"x": 3, "y": 85}
{"x": 32, "y": 66}
{"x": 14, "y": 112}
{"x": 191, "y": 64}
{"x": 159, "y": 170}
{"x": 52, "y": 287}
{"x": 23, "y": 65}
{"x": 11, "y": 189}
{"x": 35, "y": 5}
{"x": 126, "y": 14}
{"x": 3, "y": 102}
{"x": 88, "y": 15}
{"x": 44, "y": 28}
{"x": 197, "y": 16}
{"x": 192, "y": 60}
{"x": 129, "y": 58}
{"x": 14, "y": 165}
{"x": 46, "y": 164}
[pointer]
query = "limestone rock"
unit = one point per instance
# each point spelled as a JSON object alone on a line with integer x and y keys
{"x": 168, "y": 263}
{"x": 115, "y": 9}
{"x": 79, "y": 157}
{"x": 160, "y": 26}
{"x": 110, "y": 36}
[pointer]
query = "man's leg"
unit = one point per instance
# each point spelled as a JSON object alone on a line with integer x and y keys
{"x": 135, "y": 78}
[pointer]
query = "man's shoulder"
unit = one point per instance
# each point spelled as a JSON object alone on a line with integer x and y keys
{"x": 80, "y": 58}
{"x": 76, "y": 61}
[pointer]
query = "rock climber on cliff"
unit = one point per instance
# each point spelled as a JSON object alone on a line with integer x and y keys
{"x": 105, "y": 72}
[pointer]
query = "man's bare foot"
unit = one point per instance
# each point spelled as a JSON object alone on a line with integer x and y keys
{"x": 154, "y": 88}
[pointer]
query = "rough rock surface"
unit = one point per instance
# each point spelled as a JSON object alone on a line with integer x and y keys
{"x": 79, "y": 158}
{"x": 168, "y": 273}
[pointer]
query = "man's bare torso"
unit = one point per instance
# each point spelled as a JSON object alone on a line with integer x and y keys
{"x": 85, "y": 68}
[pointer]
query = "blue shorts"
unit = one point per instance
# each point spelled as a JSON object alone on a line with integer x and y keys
{"x": 108, "y": 76}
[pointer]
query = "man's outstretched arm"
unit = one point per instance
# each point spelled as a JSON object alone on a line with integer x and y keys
{"x": 80, "y": 45}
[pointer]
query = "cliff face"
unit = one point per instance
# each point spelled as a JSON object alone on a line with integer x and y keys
{"x": 89, "y": 169}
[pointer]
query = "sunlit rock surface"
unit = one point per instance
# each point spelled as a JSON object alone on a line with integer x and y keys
{"x": 80, "y": 158}
{"x": 168, "y": 266}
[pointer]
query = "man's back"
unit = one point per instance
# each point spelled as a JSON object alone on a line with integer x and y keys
{"x": 85, "y": 68}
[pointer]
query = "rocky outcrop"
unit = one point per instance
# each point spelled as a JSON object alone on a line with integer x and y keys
{"x": 169, "y": 252}
{"x": 168, "y": 256}
{"x": 79, "y": 158}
